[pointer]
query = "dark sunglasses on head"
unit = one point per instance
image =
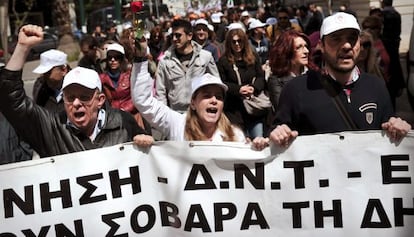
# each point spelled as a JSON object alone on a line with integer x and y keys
{"x": 366, "y": 45}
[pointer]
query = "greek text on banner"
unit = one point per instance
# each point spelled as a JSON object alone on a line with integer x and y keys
{"x": 347, "y": 184}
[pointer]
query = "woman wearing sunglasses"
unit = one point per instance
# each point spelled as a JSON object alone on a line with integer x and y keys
{"x": 116, "y": 84}
{"x": 241, "y": 70}
{"x": 368, "y": 59}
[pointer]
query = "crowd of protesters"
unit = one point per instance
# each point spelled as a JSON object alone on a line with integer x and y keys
{"x": 189, "y": 75}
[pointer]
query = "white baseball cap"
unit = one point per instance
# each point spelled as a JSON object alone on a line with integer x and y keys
{"x": 216, "y": 17}
{"x": 50, "y": 59}
{"x": 201, "y": 22}
{"x": 204, "y": 80}
{"x": 339, "y": 21}
{"x": 234, "y": 26}
{"x": 255, "y": 23}
{"x": 245, "y": 13}
{"x": 115, "y": 47}
{"x": 126, "y": 25}
{"x": 82, "y": 76}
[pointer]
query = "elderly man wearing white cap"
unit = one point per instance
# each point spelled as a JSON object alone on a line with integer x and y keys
{"x": 340, "y": 99}
{"x": 201, "y": 36}
{"x": 259, "y": 40}
{"x": 86, "y": 123}
{"x": 47, "y": 88}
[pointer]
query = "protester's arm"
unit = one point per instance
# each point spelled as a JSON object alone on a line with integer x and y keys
{"x": 29, "y": 35}
{"x": 159, "y": 115}
{"x": 396, "y": 128}
{"x": 212, "y": 66}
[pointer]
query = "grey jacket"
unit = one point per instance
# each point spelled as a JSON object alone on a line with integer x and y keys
{"x": 173, "y": 80}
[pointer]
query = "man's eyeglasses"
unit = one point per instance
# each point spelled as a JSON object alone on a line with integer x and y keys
{"x": 366, "y": 45}
{"x": 283, "y": 18}
{"x": 238, "y": 41}
{"x": 85, "y": 99}
{"x": 176, "y": 35}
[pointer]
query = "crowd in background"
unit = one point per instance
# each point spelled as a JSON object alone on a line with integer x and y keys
{"x": 270, "y": 61}
{"x": 246, "y": 54}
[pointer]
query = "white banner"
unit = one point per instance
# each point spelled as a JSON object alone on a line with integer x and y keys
{"x": 348, "y": 184}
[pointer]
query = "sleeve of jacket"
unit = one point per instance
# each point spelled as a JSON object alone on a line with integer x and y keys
{"x": 159, "y": 115}
{"x": 228, "y": 75}
{"x": 34, "y": 124}
{"x": 287, "y": 110}
{"x": 259, "y": 83}
{"x": 161, "y": 82}
{"x": 275, "y": 88}
{"x": 211, "y": 65}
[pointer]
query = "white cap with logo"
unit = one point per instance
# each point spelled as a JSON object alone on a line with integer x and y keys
{"x": 204, "y": 80}
{"x": 82, "y": 76}
{"x": 339, "y": 21}
{"x": 50, "y": 59}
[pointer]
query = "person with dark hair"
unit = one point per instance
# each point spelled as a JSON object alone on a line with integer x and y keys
{"x": 376, "y": 12}
{"x": 241, "y": 70}
{"x": 391, "y": 32}
{"x": 89, "y": 46}
{"x": 311, "y": 103}
{"x": 156, "y": 43}
{"x": 283, "y": 24}
{"x": 116, "y": 83}
{"x": 373, "y": 25}
{"x": 303, "y": 17}
{"x": 315, "y": 21}
{"x": 184, "y": 60}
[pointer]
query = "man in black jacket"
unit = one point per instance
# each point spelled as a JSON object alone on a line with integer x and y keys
{"x": 306, "y": 105}
{"x": 86, "y": 123}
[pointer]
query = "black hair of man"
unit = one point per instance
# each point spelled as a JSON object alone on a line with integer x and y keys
{"x": 89, "y": 40}
{"x": 180, "y": 23}
{"x": 387, "y": 2}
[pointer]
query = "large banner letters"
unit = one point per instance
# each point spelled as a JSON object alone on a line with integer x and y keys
{"x": 347, "y": 184}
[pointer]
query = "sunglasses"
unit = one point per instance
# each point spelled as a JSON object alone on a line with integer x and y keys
{"x": 177, "y": 35}
{"x": 283, "y": 18}
{"x": 238, "y": 41}
{"x": 116, "y": 57}
{"x": 366, "y": 45}
{"x": 85, "y": 99}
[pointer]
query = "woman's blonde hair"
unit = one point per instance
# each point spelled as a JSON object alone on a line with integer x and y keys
{"x": 194, "y": 132}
